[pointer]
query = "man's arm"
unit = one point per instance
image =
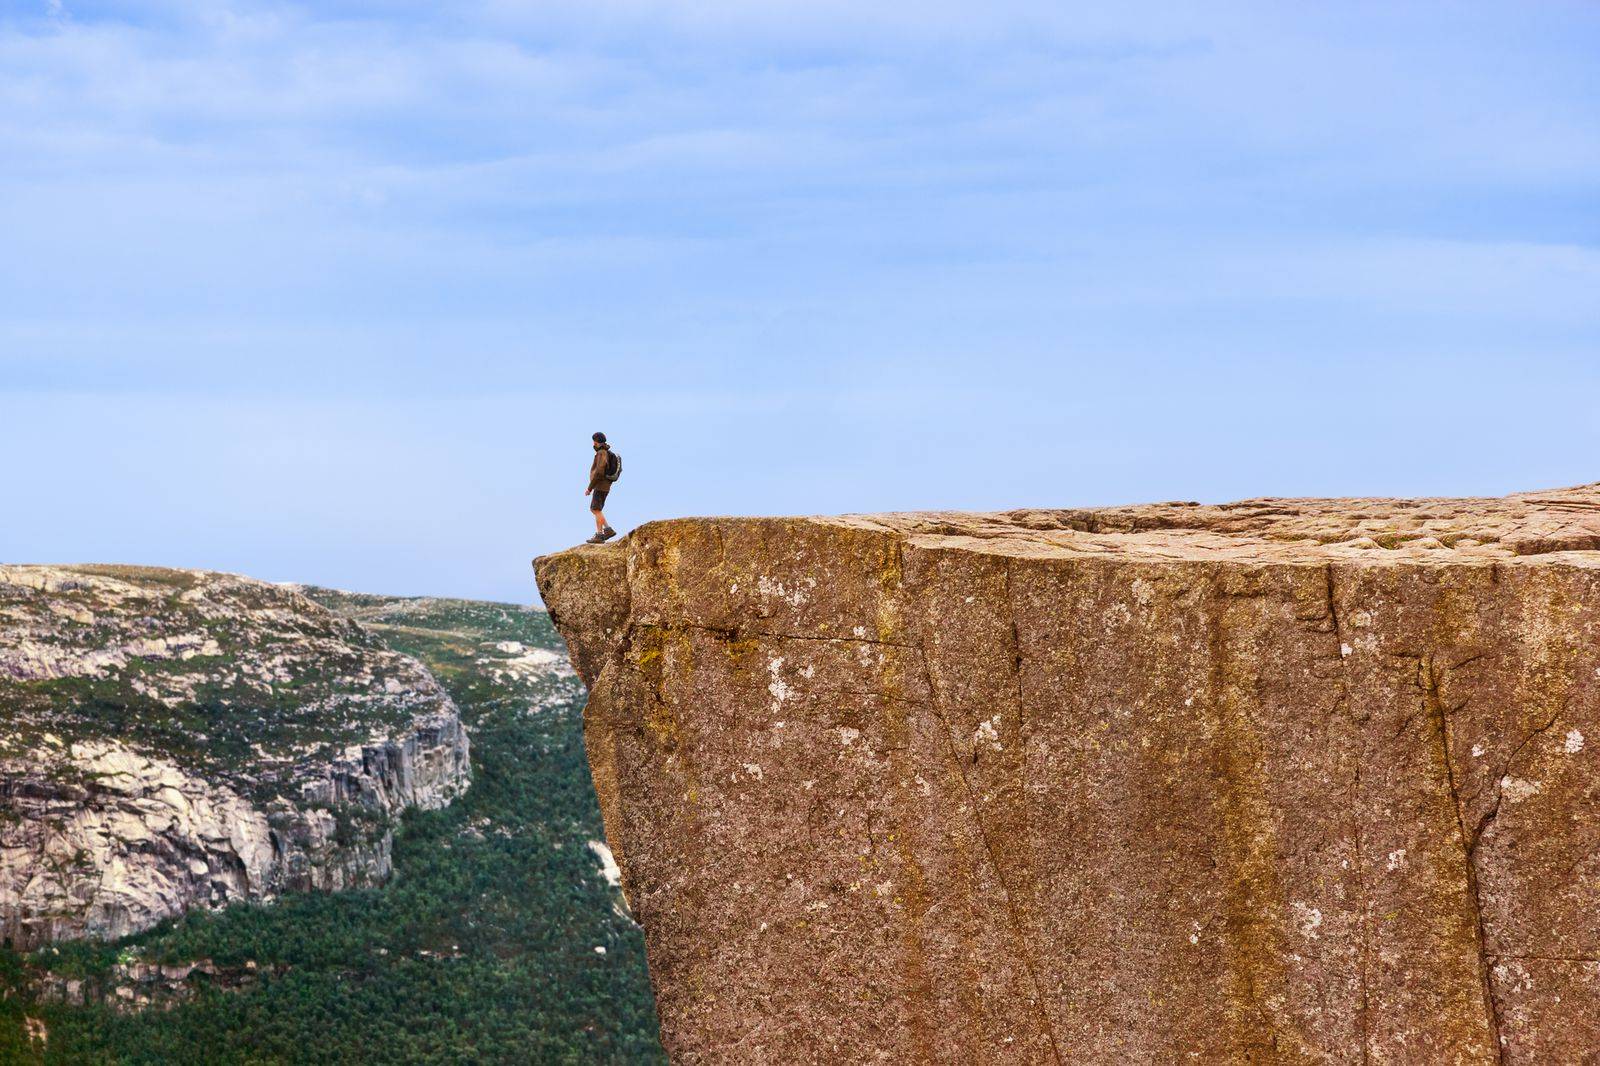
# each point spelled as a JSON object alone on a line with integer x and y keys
{"x": 597, "y": 470}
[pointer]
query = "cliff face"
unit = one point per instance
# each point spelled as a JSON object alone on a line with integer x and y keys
{"x": 174, "y": 739}
{"x": 1274, "y": 781}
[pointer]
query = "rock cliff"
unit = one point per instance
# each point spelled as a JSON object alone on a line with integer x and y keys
{"x": 172, "y": 739}
{"x": 1283, "y": 780}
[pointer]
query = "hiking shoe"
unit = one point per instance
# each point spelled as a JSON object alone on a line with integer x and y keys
{"x": 598, "y": 538}
{"x": 607, "y": 533}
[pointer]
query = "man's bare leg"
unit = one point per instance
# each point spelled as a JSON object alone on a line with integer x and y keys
{"x": 599, "y": 521}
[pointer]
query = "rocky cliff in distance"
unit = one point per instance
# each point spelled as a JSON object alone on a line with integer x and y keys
{"x": 1278, "y": 781}
{"x": 172, "y": 739}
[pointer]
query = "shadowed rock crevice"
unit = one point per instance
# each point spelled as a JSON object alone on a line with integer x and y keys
{"x": 1272, "y": 781}
{"x": 1439, "y": 715}
{"x": 1018, "y": 926}
{"x": 1343, "y": 710}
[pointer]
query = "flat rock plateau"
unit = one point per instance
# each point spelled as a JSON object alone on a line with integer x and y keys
{"x": 172, "y": 739}
{"x": 1275, "y": 781}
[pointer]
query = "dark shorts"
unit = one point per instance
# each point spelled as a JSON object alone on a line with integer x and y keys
{"x": 597, "y": 499}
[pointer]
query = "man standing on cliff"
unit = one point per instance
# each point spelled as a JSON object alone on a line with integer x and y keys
{"x": 603, "y": 473}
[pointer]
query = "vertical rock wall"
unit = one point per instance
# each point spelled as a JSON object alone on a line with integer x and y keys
{"x": 1281, "y": 781}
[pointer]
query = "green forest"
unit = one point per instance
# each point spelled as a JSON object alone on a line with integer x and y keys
{"x": 482, "y": 948}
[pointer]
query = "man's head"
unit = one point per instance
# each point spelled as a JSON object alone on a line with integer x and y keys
{"x": 599, "y": 439}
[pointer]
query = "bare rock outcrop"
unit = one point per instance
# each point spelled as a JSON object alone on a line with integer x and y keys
{"x": 173, "y": 739}
{"x": 1277, "y": 781}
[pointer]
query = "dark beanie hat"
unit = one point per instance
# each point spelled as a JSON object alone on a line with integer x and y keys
{"x": 599, "y": 438}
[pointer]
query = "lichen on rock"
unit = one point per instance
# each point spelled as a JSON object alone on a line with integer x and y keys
{"x": 1282, "y": 780}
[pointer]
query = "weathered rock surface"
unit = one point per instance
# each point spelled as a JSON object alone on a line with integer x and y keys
{"x": 133, "y": 985}
{"x": 173, "y": 739}
{"x": 1284, "y": 780}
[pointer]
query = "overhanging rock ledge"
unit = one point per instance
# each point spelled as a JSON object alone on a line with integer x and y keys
{"x": 1281, "y": 780}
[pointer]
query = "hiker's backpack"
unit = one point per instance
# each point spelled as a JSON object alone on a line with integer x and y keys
{"x": 613, "y": 466}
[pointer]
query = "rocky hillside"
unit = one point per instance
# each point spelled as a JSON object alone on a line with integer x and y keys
{"x": 500, "y": 937}
{"x": 178, "y": 739}
{"x": 1282, "y": 780}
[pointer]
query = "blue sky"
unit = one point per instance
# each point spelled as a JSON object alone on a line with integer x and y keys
{"x": 337, "y": 292}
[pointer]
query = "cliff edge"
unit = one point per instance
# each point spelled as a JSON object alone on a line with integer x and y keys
{"x": 1282, "y": 780}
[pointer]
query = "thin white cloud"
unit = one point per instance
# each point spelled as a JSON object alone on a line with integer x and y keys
{"x": 716, "y": 158}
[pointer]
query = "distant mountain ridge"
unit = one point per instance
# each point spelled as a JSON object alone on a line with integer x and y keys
{"x": 176, "y": 739}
